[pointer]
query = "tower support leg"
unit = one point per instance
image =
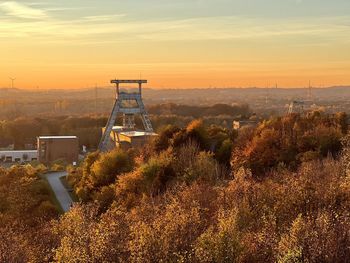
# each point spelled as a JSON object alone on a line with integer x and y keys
{"x": 103, "y": 146}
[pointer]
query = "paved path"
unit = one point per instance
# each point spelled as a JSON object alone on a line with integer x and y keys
{"x": 61, "y": 192}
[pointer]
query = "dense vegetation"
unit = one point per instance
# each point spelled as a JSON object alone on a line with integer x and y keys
{"x": 24, "y": 130}
{"x": 279, "y": 192}
{"x": 26, "y": 208}
{"x": 289, "y": 141}
{"x": 200, "y": 111}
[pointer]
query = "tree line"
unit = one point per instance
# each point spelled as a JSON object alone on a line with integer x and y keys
{"x": 23, "y": 130}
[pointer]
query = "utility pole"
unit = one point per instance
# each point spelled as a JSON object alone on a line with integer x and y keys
{"x": 309, "y": 94}
{"x": 96, "y": 99}
{"x": 267, "y": 93}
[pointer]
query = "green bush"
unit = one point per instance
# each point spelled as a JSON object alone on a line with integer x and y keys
{"x": 105, "y": 170}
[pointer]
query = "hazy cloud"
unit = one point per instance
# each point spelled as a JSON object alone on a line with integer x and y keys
{"x": 20, "y": 10}
{"x": 119, "y": 27}
{"x": 103, "y": 18}
{"x": 104, "y": 27}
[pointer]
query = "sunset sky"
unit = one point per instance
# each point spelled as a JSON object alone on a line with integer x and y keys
{"x": 175, "y": 43}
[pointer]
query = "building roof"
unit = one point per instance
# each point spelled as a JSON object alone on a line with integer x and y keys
{"x": 133, "y": 81}
{"x": 57, "y": 137}
{"x": 137, "y": 133}
{"x": 118, "y": 128}
{"x": 19, "y": 151}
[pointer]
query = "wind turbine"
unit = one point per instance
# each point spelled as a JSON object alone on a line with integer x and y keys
{"x": 12, "y": 82}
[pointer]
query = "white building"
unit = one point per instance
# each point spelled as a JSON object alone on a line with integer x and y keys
{"x": 18, "y": 156}
{"x": 237, "y": 125}
{"x": 122, "y": 137}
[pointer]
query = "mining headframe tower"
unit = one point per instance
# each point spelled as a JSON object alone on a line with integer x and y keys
{"x": 127, "y": 104}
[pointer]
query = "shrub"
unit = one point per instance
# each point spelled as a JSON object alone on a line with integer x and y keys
{"x": 105, "y": 170}
{"x": 57, "y": 167}
{"x": 222, "y": 244}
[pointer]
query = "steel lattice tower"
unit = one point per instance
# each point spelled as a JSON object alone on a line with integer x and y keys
{"x": 122, "y": 99}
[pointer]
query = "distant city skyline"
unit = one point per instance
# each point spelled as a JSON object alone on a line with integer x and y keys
{"x": 175, "y": 44}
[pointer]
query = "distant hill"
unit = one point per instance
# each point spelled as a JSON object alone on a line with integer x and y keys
{"x": 15, "y": 102}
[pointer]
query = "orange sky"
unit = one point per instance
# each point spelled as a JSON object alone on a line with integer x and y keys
{"x": 61, "y": 45}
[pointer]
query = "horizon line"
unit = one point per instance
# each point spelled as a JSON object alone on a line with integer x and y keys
{"x": 177, "y": 88}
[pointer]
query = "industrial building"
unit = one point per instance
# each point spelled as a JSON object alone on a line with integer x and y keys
{"x": 22, "y": 156}
{"x": 128, "y": 104}
{"x": 121, "y": 137}
{"x": 53, "y": 148}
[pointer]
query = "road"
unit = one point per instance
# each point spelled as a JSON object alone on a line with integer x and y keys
{"x": 60, "y": 191}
